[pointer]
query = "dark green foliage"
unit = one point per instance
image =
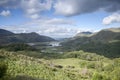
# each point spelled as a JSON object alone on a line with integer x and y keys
{"x": 105, "y": 42}
{"x": 58, "y": 66}
{"x": 111, "y": 50}
{"x": 3, "y": 69}
{"x": 19, "y": 47}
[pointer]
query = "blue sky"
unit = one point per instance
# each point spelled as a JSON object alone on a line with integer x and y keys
{"x": 59, "y": 18}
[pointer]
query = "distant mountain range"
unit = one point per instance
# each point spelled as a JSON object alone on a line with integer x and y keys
{"x": 105, "y": 42}
{"x": 83, "y": 34}
{"x": 9, "y": 37}
{"x": 5, "y": 33}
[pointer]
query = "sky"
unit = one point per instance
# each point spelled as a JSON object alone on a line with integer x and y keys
{"x": 59, "y": 18}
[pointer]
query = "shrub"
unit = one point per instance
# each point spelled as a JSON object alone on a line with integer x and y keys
{"x": 97, "y": 76}
{"x": 115, "y": 75}
{"x": 3, "y": 69}
{"x": 91, "y": 65}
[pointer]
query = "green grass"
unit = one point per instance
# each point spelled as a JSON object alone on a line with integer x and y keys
{"x": 67, "y": 62}
{"x": 68, "y": 67}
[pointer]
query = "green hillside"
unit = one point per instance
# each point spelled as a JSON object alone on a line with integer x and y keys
{"x": 77, "y": 65}
{"x": 79, "y": 58}
{"x": 105, "y": 42}
{"x": 8, "y": 37}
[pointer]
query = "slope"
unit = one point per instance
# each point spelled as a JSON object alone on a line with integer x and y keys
{"x": 9, "y": 37}
{"x": 105, "y": 42}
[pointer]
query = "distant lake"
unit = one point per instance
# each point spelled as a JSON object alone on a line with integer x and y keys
{"x": 50, "y": 44}
{"x": 54, "y": 43}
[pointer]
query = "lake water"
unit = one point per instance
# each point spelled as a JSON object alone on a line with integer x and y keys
{"x": 54, "y": 44}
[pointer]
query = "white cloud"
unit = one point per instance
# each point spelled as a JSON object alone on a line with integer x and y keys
{"x": 33, "y": 8}
{"x": 34, "y": 16}
{"x": 5, "y": 13}
{"x": 112, "y": 18}
{"x": 60, "y": 21}
{"x": 77, "y": 7}
{"x": 53, "y": 27}
{"x": 65, "y": 7}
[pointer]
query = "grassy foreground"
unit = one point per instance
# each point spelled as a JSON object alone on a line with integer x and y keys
{"x": 77, "y": 65}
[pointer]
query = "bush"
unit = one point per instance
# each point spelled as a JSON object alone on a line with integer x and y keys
{"x": 91, "y": 65}
{"x": 3, "y": 69}
{"x": 97, "y": 76}
{"x": 115, "y": 75}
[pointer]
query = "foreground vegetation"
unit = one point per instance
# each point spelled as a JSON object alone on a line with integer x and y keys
{"x": 76, "y": 65}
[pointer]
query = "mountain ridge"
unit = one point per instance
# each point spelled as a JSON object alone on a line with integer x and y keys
{"x": 9, "y": 37}
{"x": 104, "y": 42}
{"x": 87, "y": 34}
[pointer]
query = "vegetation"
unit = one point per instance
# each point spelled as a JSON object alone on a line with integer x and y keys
{"x": 18, "y": 47}
{"x": 8, "y": 37}
{"x": 3, "y": 69}
{"x": 105, "y": 42}
{"x": 83, "y": 58}
{"x": 74, "y": 65}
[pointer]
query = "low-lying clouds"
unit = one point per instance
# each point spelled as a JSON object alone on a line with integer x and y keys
{"x": 54, "y": 27}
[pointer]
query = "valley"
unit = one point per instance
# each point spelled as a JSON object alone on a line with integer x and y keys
{"x": 75, "y": 58}
{"x": 59, "y": 39}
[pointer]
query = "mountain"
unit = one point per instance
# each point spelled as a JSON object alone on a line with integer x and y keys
{"x": 33, "y": 37}
{"x": 105, "y": 42}
{"x": 9, "y": 37}
{"x": 5, "y": 32}
{"x": 106, "y": 35}
{"x": 84, "y": 34}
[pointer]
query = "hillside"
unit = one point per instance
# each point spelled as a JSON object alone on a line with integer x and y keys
{"x": 106, "y": 36}
{"x": 77, "y": 65}
{"x": 104, "y": 42}
{"x": 9, "y": 37}
{"x": 5, "y": 33}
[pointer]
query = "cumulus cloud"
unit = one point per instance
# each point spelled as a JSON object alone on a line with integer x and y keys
{"x": 5, "y": 13}
{"x": 115, "y": 17}
{"x": 33, "y": 8}
{"x": 76, "y": 7}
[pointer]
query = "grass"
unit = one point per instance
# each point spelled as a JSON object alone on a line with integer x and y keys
{"x": 22, "y": 67}
{"x": 67, "y": 62}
